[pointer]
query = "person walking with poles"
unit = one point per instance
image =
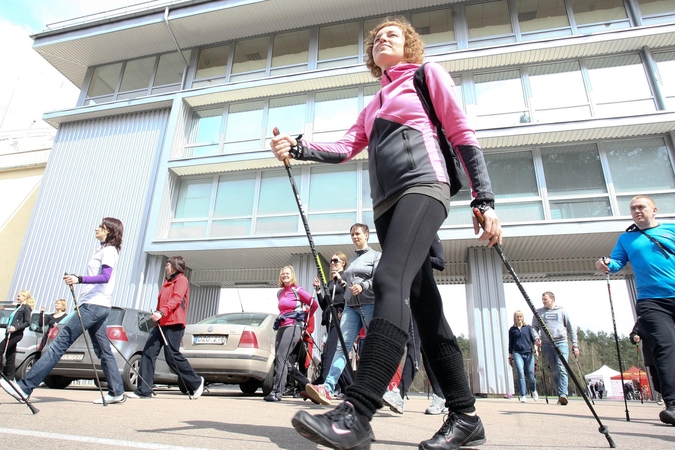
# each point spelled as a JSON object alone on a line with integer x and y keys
{"x": 650, "y": 248}
{"x": 410, "y": 190}
{"x": 94, "y": 305}
{"x": 18, "y": 321}
{"x": 558, "y": 323}
{"x": 521, "y": 340}
{"x": 359, "y": 305}
{"x": 170, "y": 319}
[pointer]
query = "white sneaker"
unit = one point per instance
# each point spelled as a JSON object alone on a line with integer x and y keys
{"x": 392, "y": 398}
{"x": 437, "y": 406}
{"x": 200, "y": 390}
{"x": 535, "y": 396}
{"x": 522, "y": 399}
{"x": 13, "y": 389}
{"x": 111, "y": 399}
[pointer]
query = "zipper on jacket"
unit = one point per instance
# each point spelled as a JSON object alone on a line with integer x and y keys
{"x": 408, "y": 150}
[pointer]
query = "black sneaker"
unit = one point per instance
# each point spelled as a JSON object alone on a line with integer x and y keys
{"x": 342, "y": 428}
{"x": 459, "y": 430}
{"x": 273, "y": 396}
{"x": 668, "y": 414}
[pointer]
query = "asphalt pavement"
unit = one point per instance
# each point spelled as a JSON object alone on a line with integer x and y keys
{"x": 224, "y": 418}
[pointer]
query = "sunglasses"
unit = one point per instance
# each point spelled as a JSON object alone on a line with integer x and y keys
{"x": 335, "y": 261}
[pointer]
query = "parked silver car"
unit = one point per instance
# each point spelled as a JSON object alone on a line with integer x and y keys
{"x": 27, "y": 351}
{"x": 128, "y": 330}
{"x": 233, "y": 348}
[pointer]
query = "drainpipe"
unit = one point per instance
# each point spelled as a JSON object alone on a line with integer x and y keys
{"x": 180, "y": 52}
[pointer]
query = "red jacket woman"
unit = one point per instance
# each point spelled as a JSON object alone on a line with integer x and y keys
{"x": 173, "y": 299}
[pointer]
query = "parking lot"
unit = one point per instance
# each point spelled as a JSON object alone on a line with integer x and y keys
{"x": 224, "y": 418}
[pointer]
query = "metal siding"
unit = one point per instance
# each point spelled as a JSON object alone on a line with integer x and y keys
{"x": 96, "y": 168}
{"x": 203, "y": 302}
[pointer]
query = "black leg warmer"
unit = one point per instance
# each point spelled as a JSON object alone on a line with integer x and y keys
{"x": 382, "y": 351}
{"x": 447, "y": 363}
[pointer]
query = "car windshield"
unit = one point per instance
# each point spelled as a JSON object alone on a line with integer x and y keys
{"x": 4, "y": 316}
{"x": 250, "y": 319}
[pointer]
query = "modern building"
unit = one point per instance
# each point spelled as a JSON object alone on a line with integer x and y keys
{"x": 573, "y": 102}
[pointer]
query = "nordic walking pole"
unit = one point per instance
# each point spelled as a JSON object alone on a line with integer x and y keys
{"x": 166, "y": 344}
{"x": 131, "y": 366}
{"x": 616, "y": 341}
{"x": 581, "y": 374}
{"x": 23, "y": 399}
{"x": 637, "y": 350}
{"x": 324, "y": 283}
{"x": 86, "y": 341}
{"x": 498, "y": 248}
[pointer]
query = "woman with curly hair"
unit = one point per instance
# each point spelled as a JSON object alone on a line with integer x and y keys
{"x": 410, "y": 189}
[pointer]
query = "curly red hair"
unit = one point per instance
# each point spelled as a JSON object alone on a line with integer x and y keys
{"x": 413, "y": 51}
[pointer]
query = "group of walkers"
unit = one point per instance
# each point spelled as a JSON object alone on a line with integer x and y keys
{"x": 392, "y": 294}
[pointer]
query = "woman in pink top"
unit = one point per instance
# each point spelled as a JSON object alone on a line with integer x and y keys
{"x": 409, "y": 186}
{"x": 291, "y": 321}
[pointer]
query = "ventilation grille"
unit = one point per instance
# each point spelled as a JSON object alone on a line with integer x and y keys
{"x": 253, "y": 57}
{"x": 527, "y": 16}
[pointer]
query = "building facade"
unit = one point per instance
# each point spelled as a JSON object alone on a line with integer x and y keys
{"x": 573, "y": 102}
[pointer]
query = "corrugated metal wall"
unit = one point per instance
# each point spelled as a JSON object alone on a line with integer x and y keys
{"x": 97, "y": 168}
{"x": 203, "y": 302}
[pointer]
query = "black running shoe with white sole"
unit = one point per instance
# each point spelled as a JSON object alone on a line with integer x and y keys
{"x": 342, "y": 429}
{"x": 459, "y": 430}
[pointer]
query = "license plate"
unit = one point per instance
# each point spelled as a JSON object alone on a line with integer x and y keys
{"x": 218, "y": 339}
{"x": 72, "y": 357}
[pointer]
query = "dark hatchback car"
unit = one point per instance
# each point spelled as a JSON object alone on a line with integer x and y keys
{"x": 128, "y": 330}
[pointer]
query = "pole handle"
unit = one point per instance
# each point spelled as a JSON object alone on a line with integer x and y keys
{"x": 276, "y": 132}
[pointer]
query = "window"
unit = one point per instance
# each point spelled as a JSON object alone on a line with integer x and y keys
{"x": 488, "y": 20}
{"x": 573, "y": 171}
{"x": 244, "y": 127}
{"x": 277, "y": 210}
{"x": 334, "y": 113}
{"x": 193, "y": 204}
{"x": 104, "y": 82}
{"x": 665, "y": 62}
{"x": 657, "y": 11}
{"x": 338, "y": 45}
{"x": 558, "y": 92}
{"x": 207, "y": 124}
{"x": 212, "y": 65}
{"x": 436, "y": 29}
{"x": 499, "y": 99}
{"x": 641, "y": 164}
{"x": 250, "y": 58}
{"x": 287, "y": 114}
{"x": 610, "y": 77}
{"x": 599, "y": 15}
{"x": 233, "y": 212}
{"x": 169, "y": 72}
{"x": 539, "y": 19}
{"x": 332, "y": 197}
{"x": 290, "y": 51}
{"x": 137, "y": 75}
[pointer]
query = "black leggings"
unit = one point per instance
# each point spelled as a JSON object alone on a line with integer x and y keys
{"x": 406, "y": 232}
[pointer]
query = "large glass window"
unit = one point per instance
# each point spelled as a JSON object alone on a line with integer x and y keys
{"x": 334, "y": 113}
{"x": 665, "y": 62}
{"x": 512, "y": 174}
{"x": 599, "y": 15}
{"x": 277, "y": 210}
{"x": 500, "y": 100}
{"x": 332, "y": 198}
{"x": 169, "y": 70}
{"x": 193, "y": 204}
{"x": 486, "y": 20}
{"x": 212, "y": 63}
{"x": 290, "y": 51}
{"x": 233, "y": 212}
{"x": 206, "y": 133}
{"x": 137, "y": 74}
{"x": 640, "y": 165}
{"x": 104, "y": 81}
{"x": 288, "y": 114}
{"x": 244, "y": 127}
{"x": 436, "y": 29}
{"x": 338, "y": 45}
{"x": 657, "y": 11}
{"x": 558, "y": 92}
{"x": 538, "y": 19}
{"x": 619, "y": 86}
{"x": 250, "y": 58}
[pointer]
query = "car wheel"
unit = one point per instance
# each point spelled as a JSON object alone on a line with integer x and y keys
{"x": 250, "y": 386}
{"x": 25, "y": 367}
{"x": 57, "y": 382}
{"x": 129, "y": 376}
{"x": 268, "y": 382}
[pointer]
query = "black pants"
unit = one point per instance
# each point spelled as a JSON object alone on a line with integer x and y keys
{"x": 406, "y": 232}
{"x": 412, "y": 361}
{"x": 174, "y": 358}
{"x": 9, "y": 368}
{"x": 657, "y": 319}
{"x": 327, "y": 357}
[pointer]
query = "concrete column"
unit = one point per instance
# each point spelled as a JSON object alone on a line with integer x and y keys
{"x": 488, "y": 323}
